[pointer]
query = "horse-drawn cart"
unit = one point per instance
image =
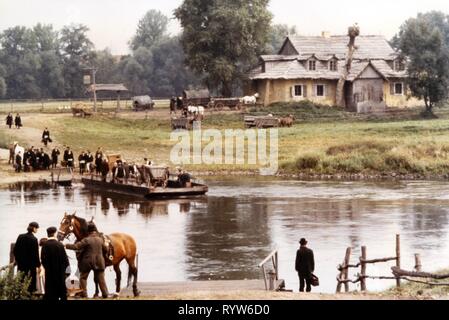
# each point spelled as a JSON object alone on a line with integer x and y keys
{"x": 182, "y": 123}
{"x": 80, "y": 111}
{"x": 261, "y": 122}
{"x": 221, "y": 103}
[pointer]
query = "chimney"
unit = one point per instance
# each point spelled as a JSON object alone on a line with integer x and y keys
{"x": 326, "y": 34}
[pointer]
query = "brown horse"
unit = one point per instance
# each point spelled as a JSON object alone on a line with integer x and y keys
{"x": 124, "y": 248}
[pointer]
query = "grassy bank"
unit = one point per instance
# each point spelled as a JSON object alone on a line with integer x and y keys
{"x": 324, "y": 141}
{"x": 414, "y": 289}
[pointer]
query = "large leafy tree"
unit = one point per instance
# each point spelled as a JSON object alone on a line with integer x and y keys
{"x": 424, "y": 40}
{"x": 77, "y": 55}
{"x": 151, "y": 30}
{"x": 223, "y": 38}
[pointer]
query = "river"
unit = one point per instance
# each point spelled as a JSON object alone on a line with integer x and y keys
{"x": 225, "y": 234}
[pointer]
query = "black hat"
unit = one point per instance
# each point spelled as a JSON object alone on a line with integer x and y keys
{"x": 33, "y": 225}
{"x": 303, "y": 242}
{"x": 51, "y": 231}
{"x": 91, "y": 227}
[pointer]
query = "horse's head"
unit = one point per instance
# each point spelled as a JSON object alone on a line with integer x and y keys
{"x": 256, "y": 95}
{"x": 70, "y": 223}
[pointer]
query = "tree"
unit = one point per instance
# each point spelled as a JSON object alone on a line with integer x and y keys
{"x": 77, "y": 55}
{"x": 425, "y": 42}
{"x": 222, "y": 39}
{"x": 278, "y": 33}
{"x": 170, "y": 75}
{"x": 151, "y": 30}
{"x": 3, "y": 87}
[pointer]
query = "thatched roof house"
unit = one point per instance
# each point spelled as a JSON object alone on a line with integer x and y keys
{"x": 310, "y": 68}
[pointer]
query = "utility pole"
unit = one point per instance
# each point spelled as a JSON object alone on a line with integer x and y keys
{"x": 94, "y": 85}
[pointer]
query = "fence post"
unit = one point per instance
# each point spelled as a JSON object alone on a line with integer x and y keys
{"x": 363, "y": 270}
{"x": 418, "y": 266}
{"x": 42, "y": 105}
{"x": 398, "y": 258}
{"x": 344, "y": 271}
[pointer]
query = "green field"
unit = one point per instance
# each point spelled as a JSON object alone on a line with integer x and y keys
{"x": 324, "y": 141}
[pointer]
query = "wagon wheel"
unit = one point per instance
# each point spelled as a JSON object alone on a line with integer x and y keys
{"x": 219, "y": 106}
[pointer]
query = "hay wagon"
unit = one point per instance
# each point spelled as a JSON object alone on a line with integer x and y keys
{"x": 83, "y": 112}
{"x": 221, "y": 103}
{"x": 261, "y": 122}
{"x": 196, "y": 98}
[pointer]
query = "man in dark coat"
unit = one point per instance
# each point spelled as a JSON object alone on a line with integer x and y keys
{"x": 9, "y": 120}
{"x": 305, "y": 265}
{"x": 54, "y": 157}
{"x": 98, "y": 160}
{"x": 55, "y": 261}
{"x": 46, "y": 136}
{"x": 69, "y": 158}
{"x": 26, "y": 253}
{"x": 18, "y": 121}
{"x": 91, "y": 257}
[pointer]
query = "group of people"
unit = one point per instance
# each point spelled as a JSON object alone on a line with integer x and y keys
{"x": 17, "y": 121}
{"x": 176, "y": 103}
{"x": 53, "y": 258}
{"x": 34, "y": 159}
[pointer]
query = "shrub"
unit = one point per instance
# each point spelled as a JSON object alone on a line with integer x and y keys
{"x": 308, "y": 161}
{"x": 14, "y": 287}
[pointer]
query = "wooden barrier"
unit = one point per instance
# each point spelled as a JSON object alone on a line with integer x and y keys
{"x": 271, "y": 277}
{"x": 342, "y": 278}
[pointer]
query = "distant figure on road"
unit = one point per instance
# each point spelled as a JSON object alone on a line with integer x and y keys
{"x": 18, "y": 121}
{"x": 304, "y": 265}
{"x": 55, "y": 261}
{"x": 46, "y": 137}
{"x": 9, "y": 120}
{"x": 26, "y": 253}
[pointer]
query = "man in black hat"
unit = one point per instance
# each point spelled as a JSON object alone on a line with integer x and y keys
{"x": 91, "y": 257}
{"x": 55, "y": 261}
{"x": 304, "y": 265}
{"x": 26, "y": 253}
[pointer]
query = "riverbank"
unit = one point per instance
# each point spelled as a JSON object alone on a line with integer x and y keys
{"x": 325, "y": 143}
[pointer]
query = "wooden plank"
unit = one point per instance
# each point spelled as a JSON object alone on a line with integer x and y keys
{"x": 398, "y": 257}
{"x": 363, "y": 270}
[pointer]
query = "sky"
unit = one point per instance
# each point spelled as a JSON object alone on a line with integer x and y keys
{"x": 112, "y": 23}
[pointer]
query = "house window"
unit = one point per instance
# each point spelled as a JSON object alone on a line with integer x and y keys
{"x": 312, "y": 65}
{"x": 399, "y": 65}
{"x": 298, "y": 91}
{"x": 320, "y": 90}
{"x": 398, "y": 88}
{"x": 333, "y": 65}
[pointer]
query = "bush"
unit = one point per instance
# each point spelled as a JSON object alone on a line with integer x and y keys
{"x": 310, "y": 161}
{"x": 14, "y": 287}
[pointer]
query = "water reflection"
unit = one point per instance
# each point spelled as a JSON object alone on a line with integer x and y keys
{"x": 226, "y": 234}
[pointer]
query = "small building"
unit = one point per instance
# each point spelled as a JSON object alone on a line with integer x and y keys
{"x": 308, "y": 67}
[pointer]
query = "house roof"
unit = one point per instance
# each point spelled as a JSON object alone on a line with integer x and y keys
{"x": 367, "y": 47}
{"x": 197, "y": 94}
{"x": 370, "y": 50}
{"x": 107, "y": 87}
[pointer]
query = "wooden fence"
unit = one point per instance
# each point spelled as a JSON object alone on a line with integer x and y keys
{"x": 343, "y": 278}
{"x": 271, "y": 275}
{"x": 398, "y": 274}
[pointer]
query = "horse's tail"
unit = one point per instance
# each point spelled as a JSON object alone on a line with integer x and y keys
{"x": 130, "y": 271}
{"x": 130, "y": 275}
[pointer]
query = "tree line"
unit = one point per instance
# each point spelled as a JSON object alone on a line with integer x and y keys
{"x": 220, "y": 41}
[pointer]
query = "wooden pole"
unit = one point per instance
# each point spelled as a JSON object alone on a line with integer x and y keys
{"x": 398, "y": 258}
{"x": 418, "y": 266}
{"x": 346, "y": 271}
{"x": 277, "y": 266}
{"x": 363, "y": 270}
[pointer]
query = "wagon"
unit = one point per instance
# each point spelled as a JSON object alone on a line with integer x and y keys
{"x": 180, "y": 123}
{"x": 220, "y": 103}
{"x": 261, "y": 122}
{"x": 196, "y": 98}
{"x": 142, "y": 103}
{"x": 81, "y": 112}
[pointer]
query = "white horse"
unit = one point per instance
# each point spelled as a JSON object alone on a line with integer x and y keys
{"x": 250, "y": 99}
{"x": 14, "y": 150}
{"x": 195, "y": 110}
